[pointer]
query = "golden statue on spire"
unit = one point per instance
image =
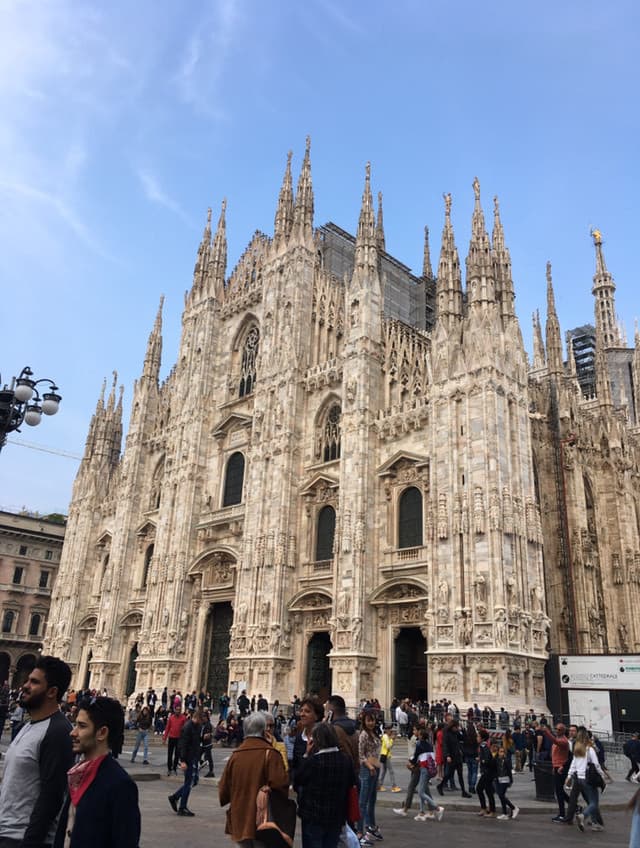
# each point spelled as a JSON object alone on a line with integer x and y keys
{"x": 597, "y": 236}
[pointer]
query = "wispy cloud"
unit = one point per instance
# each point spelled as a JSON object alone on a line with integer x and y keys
{"x": 341, "y": 18}
{"x": 206, "y": 57}
{"x": 46, "y": 201}
{"x": 156, "y": 194}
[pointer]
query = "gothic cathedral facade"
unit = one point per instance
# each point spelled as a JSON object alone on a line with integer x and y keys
{"x": 353, "y": 479}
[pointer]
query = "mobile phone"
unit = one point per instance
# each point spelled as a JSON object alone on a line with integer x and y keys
{"x": 329, "y": 715}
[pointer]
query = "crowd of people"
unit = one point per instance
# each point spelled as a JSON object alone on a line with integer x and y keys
{"x": 63, "y": 784}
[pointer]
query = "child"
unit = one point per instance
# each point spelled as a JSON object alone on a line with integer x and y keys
{"x": 504, "y": 779}
{"x": 388, "y": 738}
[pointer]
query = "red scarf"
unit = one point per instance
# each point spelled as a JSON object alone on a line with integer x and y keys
{"x": 81, "y": 776}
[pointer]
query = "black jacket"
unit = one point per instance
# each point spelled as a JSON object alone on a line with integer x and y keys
{"x": 189, "y": 744}
{"x": 451, "y": 746}
{"x": 325, "y": 779}
{"x": 107, "y": 815}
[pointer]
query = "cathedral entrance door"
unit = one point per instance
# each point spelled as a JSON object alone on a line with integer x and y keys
{"x": 410, "y": 664}
{"x": 5, "y": 665}
{"x": 131, "y": 671}
{"x": 87, "y": 674}
{"x": 220, "y": 621}
{"x": 318, "y": 670}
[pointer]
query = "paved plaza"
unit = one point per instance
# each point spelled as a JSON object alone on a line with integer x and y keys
{"x": 460, "y": 826}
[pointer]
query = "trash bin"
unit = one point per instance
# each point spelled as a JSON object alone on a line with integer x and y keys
{"x": 543, "y": 774}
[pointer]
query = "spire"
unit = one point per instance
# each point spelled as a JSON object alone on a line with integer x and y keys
{"x": 427, "y": 270}
{"x": 151, "y": 369}
{"x": 604, "y": 290}
{"x": 502, "y": 266}
{"x": 538, "y": 345}
{"x": 284, "y": 212}
{"x": 553, "y": 338}
{"x": 203, "y": 251}
{"x": 111, "y": 403}
{"x": 366, "y": 255}
{"x": 449, "y": 282}
{"x": 380, "y": 227}
{"x": 218, "y": 261}
{"x": 603, "y": 387}
{"x": 303, "y": 209}
{"x": 480, "y": 279}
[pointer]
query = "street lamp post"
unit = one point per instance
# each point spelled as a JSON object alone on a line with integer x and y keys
{"x": 22, "y": 403}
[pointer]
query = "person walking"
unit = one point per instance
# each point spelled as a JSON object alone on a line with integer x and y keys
{"x": 310, "y": 713}
{"x": 584, "y": 762}
{"x": 37, "y": 761}
{"x": 369, "y": 754}
{"x": 325, "y": 777}
{"x": 206, "y": 743}
{"x": 252, "y": 765}
{"x": 101, "y": 808}
{"x": 631, "y": 750}
{"x": 452, "y": 756}
{"x": 504, "y": 779}
{"x": 470, "y": 754}
{"x": 145, "y": 720}
{"x": 414, "y": 778}
{"x": 425, "y": 760}
{"x": 487, "y": 767}
{"x": 386, "y": 746}
{"x": 559, "y": 764}
{"x": 189, "y": 752}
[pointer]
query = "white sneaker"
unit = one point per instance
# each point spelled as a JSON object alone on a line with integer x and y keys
{"x": 429, "y": 816}
{"x": 503, "y": 817}
{"x": 514, "y": 812}
{"x": 419, "y": 817}
{"x": 400, "y": 811}
{"x": 439, "y": 813}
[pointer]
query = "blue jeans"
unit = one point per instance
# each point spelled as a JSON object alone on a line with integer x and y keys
{"x": 591, "y": 794}
{"x": 368, "y": 795}
{"x": 143, "y": 736}
{"x": 182, "y": 794}
{"x": 319, "y": 835}
{"x": 472, "y": 771}
{"x": 423, "y": 791}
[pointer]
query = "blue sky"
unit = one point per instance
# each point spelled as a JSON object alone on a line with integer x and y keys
{"x": 122, "y": 122}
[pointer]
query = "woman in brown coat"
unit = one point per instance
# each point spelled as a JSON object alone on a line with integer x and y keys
{"x": 252, "y": 765}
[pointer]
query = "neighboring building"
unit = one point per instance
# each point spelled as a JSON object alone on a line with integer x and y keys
{"x": 338, "y": 486}
{"x": 30, "y": 548}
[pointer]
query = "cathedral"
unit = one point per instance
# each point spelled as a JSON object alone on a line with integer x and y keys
{"x": 378, "y": 493}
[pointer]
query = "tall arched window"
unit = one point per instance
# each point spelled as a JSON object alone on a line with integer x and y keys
{"x": 234, "y": 480}
{"x": 34, "y": 626}
{"x": 325, "y": 533}
{"x": 148, "y": 554}
{"x": 248, "y": 364}
{"x": 410, "y": 518}
{"x": 7, "y": 621}
{"x": 328, "y": 436}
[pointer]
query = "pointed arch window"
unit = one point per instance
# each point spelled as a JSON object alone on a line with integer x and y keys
{"x": 148, "y": 554}
{"x": 7, "y": 621}
{"x": 330, "y": 434}
{"x": 34, "y": 626}
{"x": 234, "y": 480}
{"x": 325, "y": 534}
{"x": 248, "y": 364}
{"x": 410, "y": 518}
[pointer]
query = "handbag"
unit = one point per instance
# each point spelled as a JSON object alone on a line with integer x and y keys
{"x": 594, "y": 778}
{"x": 353, "y": 805}
{"x": 275, "y": 819}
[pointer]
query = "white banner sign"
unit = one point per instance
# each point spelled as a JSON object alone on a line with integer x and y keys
{"x": 600, "y": 672}
{"x": 591, "y": 708}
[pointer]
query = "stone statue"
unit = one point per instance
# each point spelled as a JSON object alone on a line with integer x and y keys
{"x": 480, "y": 585}
{"x": 443, "y": 593}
